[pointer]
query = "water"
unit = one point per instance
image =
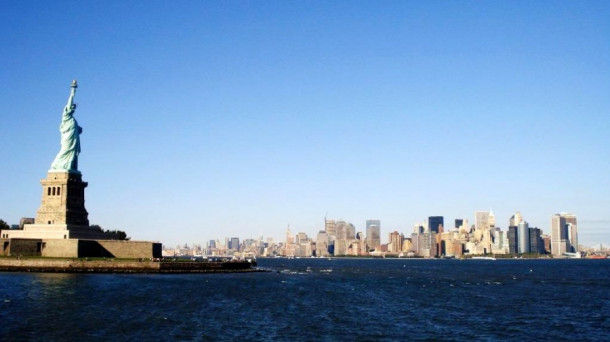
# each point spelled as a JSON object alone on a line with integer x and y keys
{"x": 318, "y": 300}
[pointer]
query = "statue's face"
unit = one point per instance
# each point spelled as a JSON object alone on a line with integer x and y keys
{"x": 73, "y": 106}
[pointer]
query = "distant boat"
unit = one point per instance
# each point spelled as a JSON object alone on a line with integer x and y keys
{"x": 483, "y": 258}
{"x": 576, "y": 255}
{"x": 597, "y": 256}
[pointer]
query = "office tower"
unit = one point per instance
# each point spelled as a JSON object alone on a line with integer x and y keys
{"x": 342, "y": 231}
{"x": 301, "y": 237}
{"x": 465, "y": 227}
{"x": 492, "y": 219}
{"x": 406, "y": 244}
{"x": 289, "y": 247}
{"x": 546, "y": 243}
{"x": 302, "y": 246}
{"x": 572, "y": 231}
{"x": 395, "y": 245}
{"x": 536, "y": 244}
{"x": 322, "y": 244}
{"x": 303, "y": 249}
{"x": 427, "y": 245}
{"x": 484, "y": 220}
{"x": 513, "y": 242}
{"x": 212, "y": 244}
{"x": 515, "y": 219}
{"x": 361, "y": 243}
{"x": 235, "y": 243}
{"x": 559, "y": 235}
{"x": 459, "y": 223}
{"x": 415, "y": 246}
{"x": 435, "y": 224}
{"x": 350, "y": 232}
{"x": 523, "y": 236}
{"x": 373, "y": 234}
{"x": 289, "y": 239}
{"x": 500, "y": 242}
{"x": 330, "y": 227}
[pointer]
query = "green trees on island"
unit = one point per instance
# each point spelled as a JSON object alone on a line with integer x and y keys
{"x": 119, "y": 233}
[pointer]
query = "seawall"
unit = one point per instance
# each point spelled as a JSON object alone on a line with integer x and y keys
{"x": 120, "y": 266}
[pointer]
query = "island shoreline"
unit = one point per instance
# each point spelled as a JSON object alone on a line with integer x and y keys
{"x": 42, "y": 265}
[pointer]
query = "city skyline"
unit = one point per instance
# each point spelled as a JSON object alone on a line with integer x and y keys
{"x": 238, "y": 118}
{"x": 428, "y": 240}
{"x": 329, "y": 228}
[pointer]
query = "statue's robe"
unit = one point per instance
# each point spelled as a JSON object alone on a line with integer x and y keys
{"x": 67, "y": 158}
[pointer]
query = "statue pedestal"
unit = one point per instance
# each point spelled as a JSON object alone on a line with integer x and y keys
{"x": 54, "y": 231}
{"x": 63, "y": 200}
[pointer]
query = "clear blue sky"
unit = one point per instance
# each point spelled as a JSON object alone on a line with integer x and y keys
{"x": 211, "y": 119}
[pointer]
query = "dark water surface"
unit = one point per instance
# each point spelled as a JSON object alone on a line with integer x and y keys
{"x": 319, "y": 300}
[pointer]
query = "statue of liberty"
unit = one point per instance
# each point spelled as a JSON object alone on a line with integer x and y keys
{"x": 67, "y": 158}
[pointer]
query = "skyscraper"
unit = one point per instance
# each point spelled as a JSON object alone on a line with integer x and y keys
{"x": 491, "y": 219}
{"x": 458, "y": 223}
{"x": 373, "y": 233}
{"x": 515, "y": 219}
{"x": 564, "y": 234}
{"x": 302, "y": 245}
{"x": 350, "y": 232}
{"x": 513, "y": 241}
{"x": 322, "y": 244}
{"x": 572, "y": 231}
{"x": 428, "y": 245}
{"x": 301, "y": 237}
{"x": 345, "y": 233}
{"x": 395, "y": 245}
{"x": 436, "y": 224}
{"x": 340, "y": 228}
{"x": 559, "y": 235}
{"x": 330, "y": 227}
{"x": 536, "y": 244}
{"x": 524, "y": 237}
{"x": 484, "y": 220}
{"x": 234, "y": 244}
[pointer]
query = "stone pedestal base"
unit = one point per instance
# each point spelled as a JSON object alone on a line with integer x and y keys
{"x": 53, "y": 231}
{"x": 79, "y": 248}
{"x": 63, "y": 200}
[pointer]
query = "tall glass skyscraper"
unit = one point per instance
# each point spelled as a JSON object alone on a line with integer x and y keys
{"x": 458, "y": 223}
{"x": 513, "y": 241}
{"x": 524, "y": 237}
{"x": 436, "y": 224}
{"x": 373, "y": 234}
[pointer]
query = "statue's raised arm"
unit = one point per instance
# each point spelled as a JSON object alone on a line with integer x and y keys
{"x": 70, "y": 106}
